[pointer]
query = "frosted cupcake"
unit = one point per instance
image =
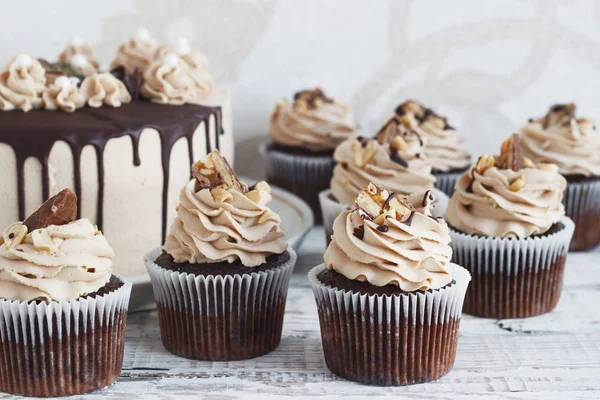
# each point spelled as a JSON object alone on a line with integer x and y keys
{"x": 220, "y": 281}
{"x": 445, "y": 145}
{"x": 388, "y": 297}
{"x": 509, "y": 230}
{"x": 573, "y": 144}
{"x": 394, "y": 159}
{"x": 304, "y": 134}
{"x": 59, "y": 304}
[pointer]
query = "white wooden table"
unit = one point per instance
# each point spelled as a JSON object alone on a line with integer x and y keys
{"x": 547, "y": 357}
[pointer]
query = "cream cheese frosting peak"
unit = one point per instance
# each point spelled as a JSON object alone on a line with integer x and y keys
{"x": 136, "y": 53}
{"x": 22, "y": 84}
{"x": 561, "y": 138}
{"x": 391, "y": 239}
{"x": 219, "y": 219}
{"x": 312, "y": 121}
{"x": 445, "y": 145}
{"x": 395, "y": 160}
{"x": 50, "y": 257}
{"x": 507, "y": 196}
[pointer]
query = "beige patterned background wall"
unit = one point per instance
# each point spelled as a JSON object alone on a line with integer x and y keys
{"x": 489, "y": 65}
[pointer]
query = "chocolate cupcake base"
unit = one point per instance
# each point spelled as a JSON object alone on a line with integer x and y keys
{"x": 390, "y": 339}
{"x": 63, "y": 348}
{"x": 300, "y": 173}
{"x": 221, "y": 317}
{"x": 582, "y": 205}
{"x": 513, "y": 278}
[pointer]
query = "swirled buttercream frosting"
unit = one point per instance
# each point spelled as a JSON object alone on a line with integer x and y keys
{"x": 507, "y": 196}
{"x": 104, "y": 88}
{"x": 561, "y": 138}
{"x": 22, "y": 84}
{"x": 63, "y": 94}
{"x": 391, "y": 239}
{"x": 312, "y": 121}
{"x": 136, "y": 53}
{"x": 220, "y": 219}
{"x": 47, "y": 258}
{"x": 171, "y": 80}
{"x": 445, "y": 145}
{"x": 394, "y": 160}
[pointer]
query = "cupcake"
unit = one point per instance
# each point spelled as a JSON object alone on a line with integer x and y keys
{"x": 393, "y": 159}
{"x": 304, "y": 134}
{"x": 445, "y": 145}
{"x": 574, "y": 145}
{"x": 62, "y": 311}
{"x": 389, "y": 299}
{"x": 509, "y": 229}
{"x": 220, "y": 281}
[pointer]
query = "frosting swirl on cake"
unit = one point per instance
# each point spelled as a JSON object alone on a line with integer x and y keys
{"x": 80, "y": 56}
{"x": 500, "y": 198}
{"x": 170, "y": 80}
{"x": 312, "y": 121}
{"x": 22, "y": 85}
{"x": 396, "y": 161}
{"x": 136, "y": 53}
{"x": 445, "y": 145}
{"x": 104, "y": 88}
{"x": 387, "y": 240}
{"x": 563, "y": 139}
{"x": 63, "y": 94}
{"x": 218, "y": 219}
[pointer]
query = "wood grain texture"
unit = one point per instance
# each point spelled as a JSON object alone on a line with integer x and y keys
{"x": 546, "y": 357}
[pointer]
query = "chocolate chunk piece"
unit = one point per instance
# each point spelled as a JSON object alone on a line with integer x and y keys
{"x": 58, "y": 210}
{"x": 359, "y": 232}
{"x": 511, "y": 156}
{"x": 379, "y": 203}
{"x": 132, "y": 81}
{"x": 214, "y": 171}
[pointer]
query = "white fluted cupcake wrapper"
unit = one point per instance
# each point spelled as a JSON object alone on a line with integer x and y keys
{"x": 513, "y": 278}
{"x": 390, "y": 339}
{"x": 582, "y": 205}
{"x": 331, "y": 208}
{"x": 224, "y": 317}
{"x": 62, "y": 348}
{"x": 304, "y": 176}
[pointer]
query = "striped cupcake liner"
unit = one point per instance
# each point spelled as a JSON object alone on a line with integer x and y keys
{"x": 445, "y": 181}
{"x": 62, "y": 348}
{"x": 223, "y": 317}
{"x": 331, "y": 208}
{"x": 304, "y": 176}
{"x": 513, "y": 278}
{"x": 582, "y": 205}
{"x": 390, "y": 340}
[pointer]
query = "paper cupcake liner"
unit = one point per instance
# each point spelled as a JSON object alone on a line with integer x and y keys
{"x": 513, "y": 278}
{"x": 582, "y": 205}
{"x": 446, "y": 181}
{"x": 390, "y": 340}
{"x": 304, "y": 176}
{"x": 62, "y": 348}
{"x": 331, "y": 208}
{"x": 220, "y": 318}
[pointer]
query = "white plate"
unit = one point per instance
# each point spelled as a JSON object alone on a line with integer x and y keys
{"x": 296, "y": 220}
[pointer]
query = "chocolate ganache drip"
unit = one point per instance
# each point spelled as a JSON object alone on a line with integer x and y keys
{"x": 33, "y": 134}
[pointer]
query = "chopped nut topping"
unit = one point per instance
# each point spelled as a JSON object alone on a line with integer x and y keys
{"x": 214, "y": 171}
{"x": 484, "y": 163}
{"x": 559, "y": 114}
{"x": 364, "y": 151}
{"x": 517, "y": 184}
{"x": 511, "y": 156}
{"x": 379, "y": 203}
{"x": 399, "y": 144}
{"x": 220, "y": 195}
{"x": 14, "y": 235}
{"x": 42, "y": 240}
{"x": 311, "y": 99}
{"x": 260, "y": 193}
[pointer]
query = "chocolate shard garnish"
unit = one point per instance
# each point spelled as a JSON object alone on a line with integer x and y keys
{"x": 398, "y": 160}
{"x": 133, "y": 81}
{"x": 383, "y": 228}
{"x": 511, "y": 156}
{"x": 214, "y": 171}
{"x": 359, "y": 232}
{"x": 57, "y": 210}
